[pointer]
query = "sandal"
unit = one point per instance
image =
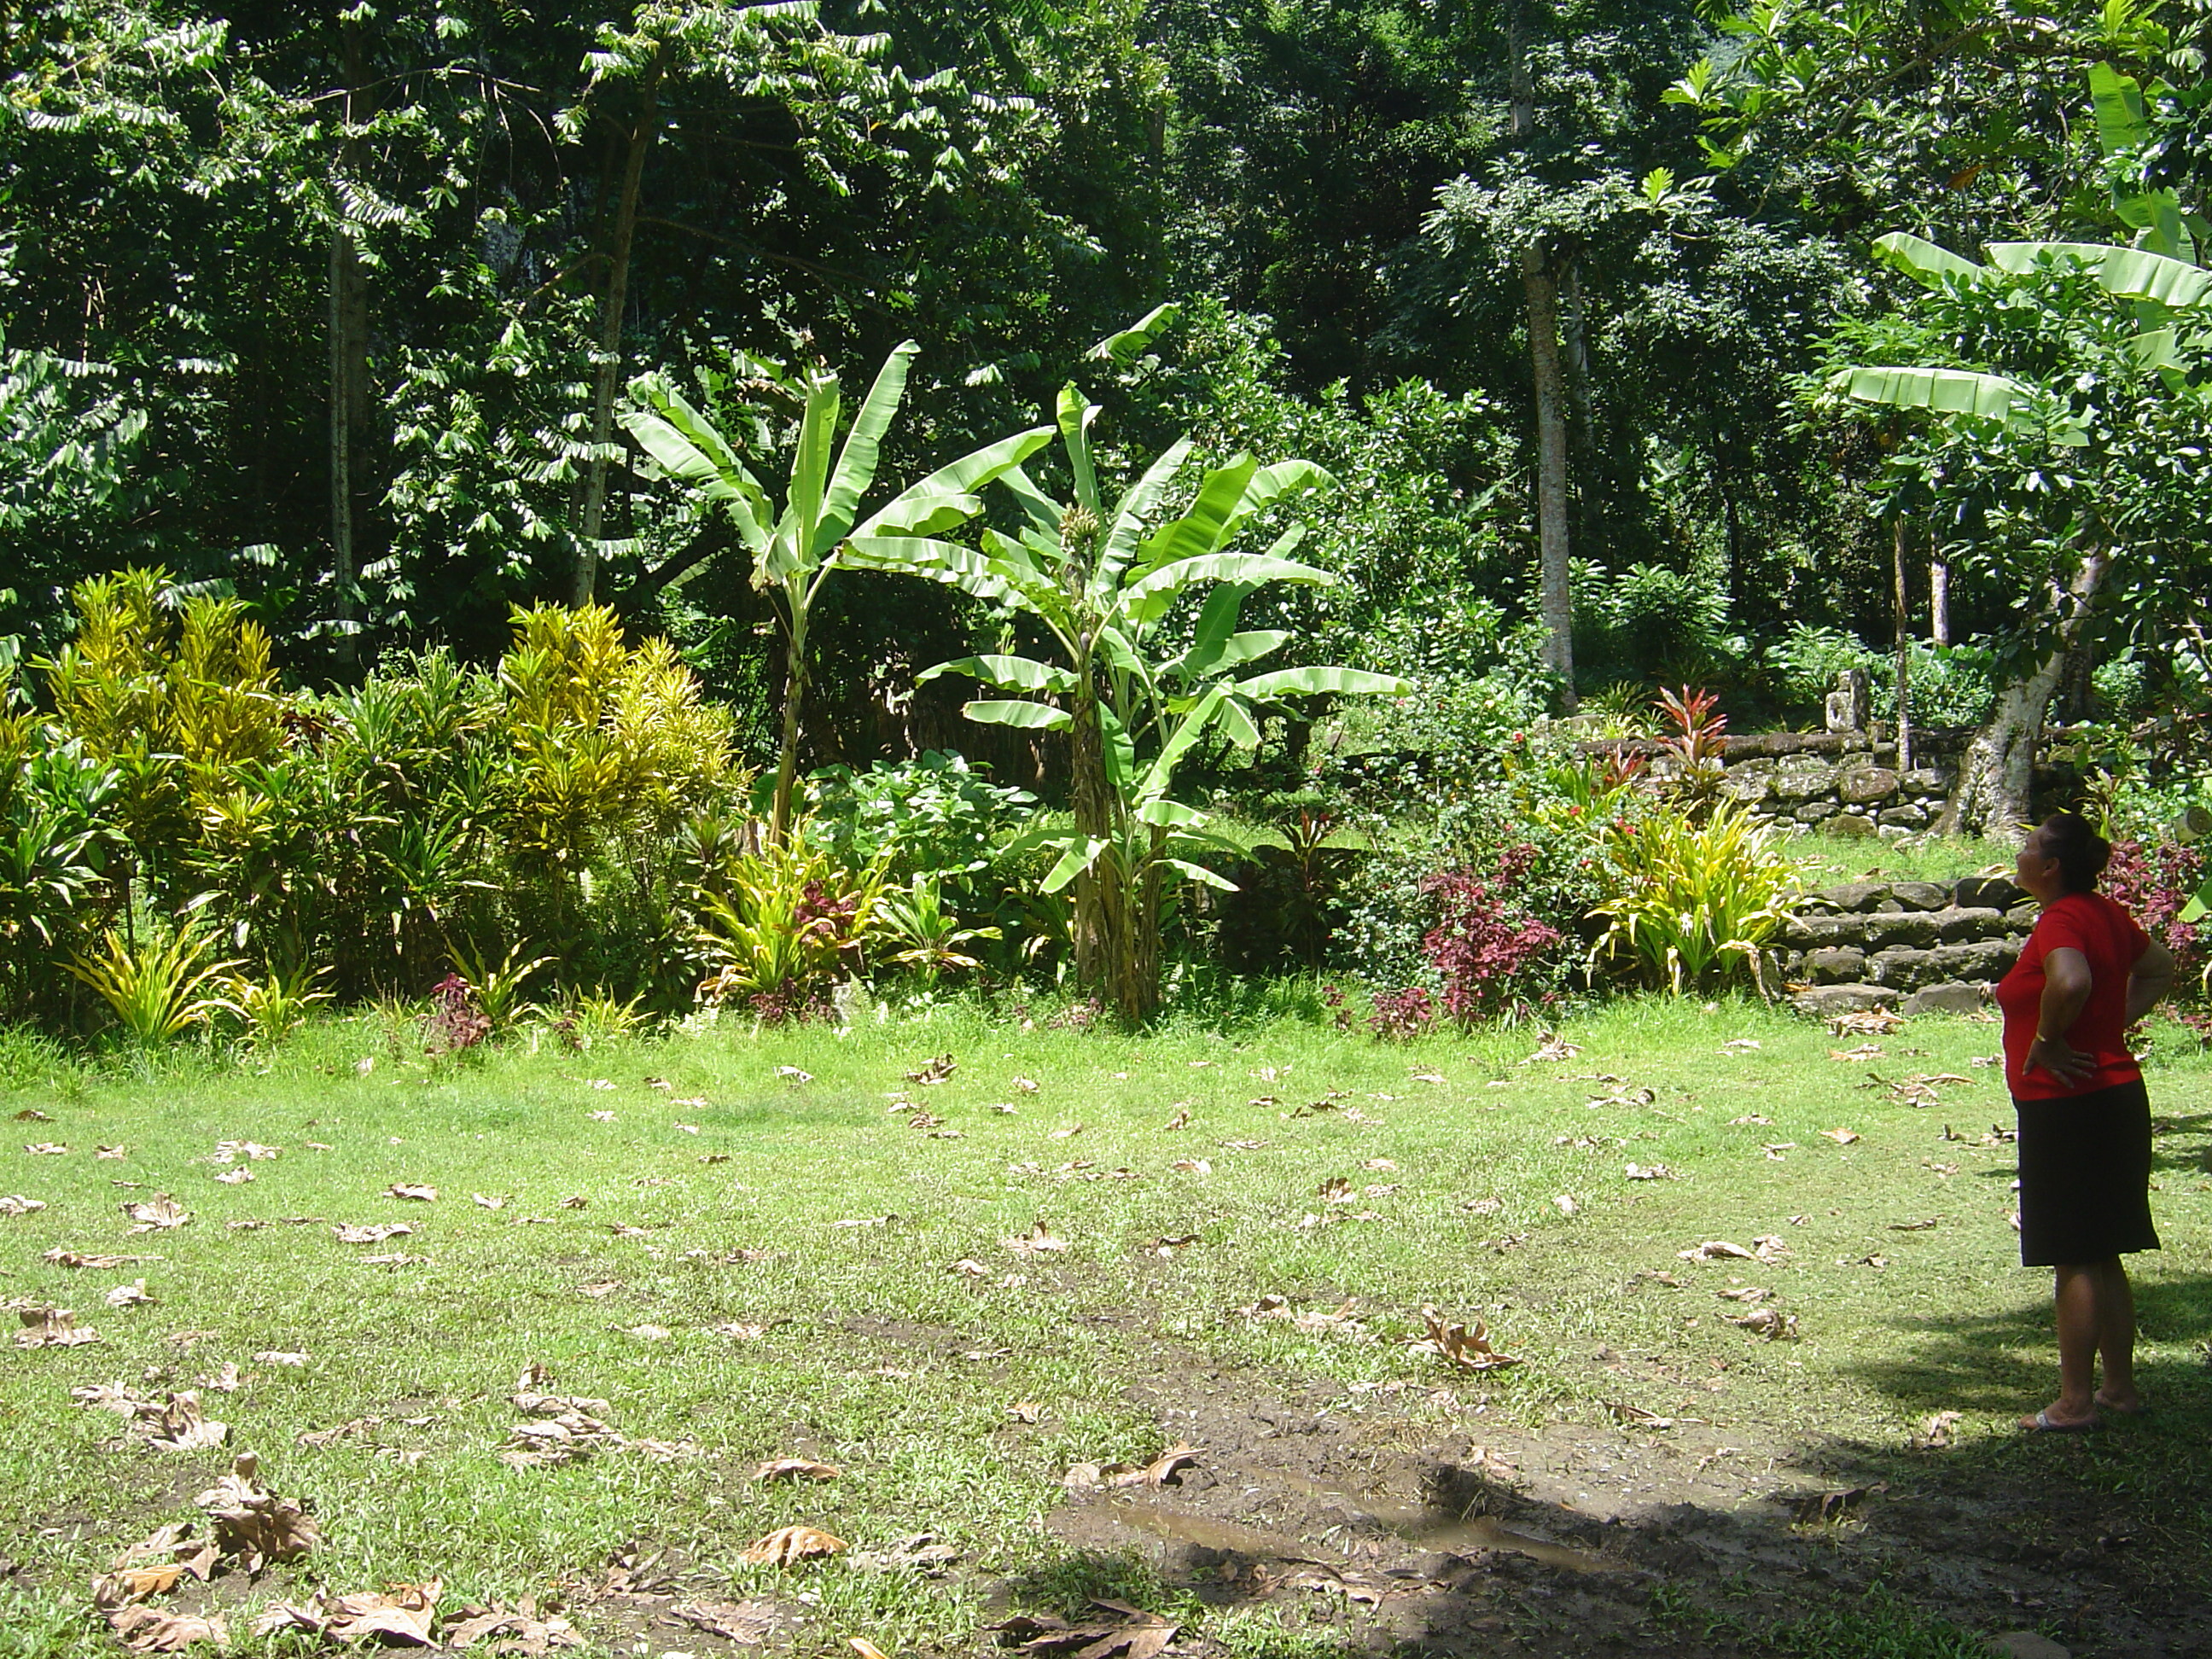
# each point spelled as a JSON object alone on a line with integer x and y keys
{"x": 2043, "y": 1423}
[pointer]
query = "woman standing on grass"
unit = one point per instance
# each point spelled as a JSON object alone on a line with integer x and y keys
{"x": 2087, "y": 974}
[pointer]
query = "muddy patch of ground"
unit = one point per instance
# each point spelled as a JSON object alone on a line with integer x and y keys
{"x": 1406, "y": 1524}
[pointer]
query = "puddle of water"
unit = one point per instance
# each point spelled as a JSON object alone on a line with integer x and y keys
{"x": 1209, "y": 1534}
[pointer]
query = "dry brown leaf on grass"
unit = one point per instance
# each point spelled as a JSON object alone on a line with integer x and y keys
{"x": 33, "y": 1114}
{"x": 1469, "y": 1350}
{"x": 412, "y": 1189}
{"x": 254, "y": 1525}
{"x": 1649, "y": 1172}
{"x": 936, "y": 1070}
{"x": 548, "y": 1443}
{"x": 1169, "y": 1244}
{"x": 46, "y": 1149}
{"x": 1026, "y": 1411}
{"x": 1335, "y": 1190}
{"x": 157, "y": 1214}
{"x": 1198, "y": 1166}
{"x": 1937, "y": 1433}
{"x": 150, "y": 1629}
{"x": 402, "y": 1616}
{"x": 1869, "y": 1022}
{"x": 281, "y": 1356}
{"x": 1865, "y": 1051}
{"x": 1140, "y": 1635}
{"x": 1069, "y": 1132}
{"x": 184, "y": 1427}
{"x": 1768, "y": 1322}
{"x": 1841, "y": 1137}
{"x": 133, "y": 1295}
{"x": 1023, "y": 1085}
{"x": 748, "y": 1624}
{"x": 373, "y": 1233}
{"x": 792, "y": 1074}
{"x": 1038, "y": 1241}
{"x": 796, "y": 1468}
{"x": 17, "y": 1204}
{"x": 968, "y": 1267}
{"x": 1181, "y": 1120}
{"x": 1430, "y": 1076}
{"x": 52, "y": 1328}
{"x": 1715, "y": 1250}
{"x": 1551, "y": 1046}
{"x": 488, "y": 1201}
{"x": 237, "y": 1178}
{"x": 788, "y": 1545}
{"x": 1164, "y": 1470}
{"x": 524, "y": 1631}
{"x": 865, "y": 1647}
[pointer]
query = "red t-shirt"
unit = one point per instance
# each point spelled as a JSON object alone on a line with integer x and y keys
{"x": 2108, "y": 936}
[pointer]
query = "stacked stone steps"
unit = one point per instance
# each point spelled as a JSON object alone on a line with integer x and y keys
{"x": 1930, "y": 944}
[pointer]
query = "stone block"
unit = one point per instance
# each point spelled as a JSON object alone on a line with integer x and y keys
{"x": 1754, "y": 766}
{"x": 1783, "y": 964}
{"x": 1811, "y": 932}
{"x": 1826, "y": 1002}
{"x": 1923, "y": 780}
{"x": 1952, "y": 996}
{"x": 1799, "y": 781}
{"x": 1856, "y": 895}
{"x": 1920, "y": 895}
{"x": 1863, "y": 785}
{"x": 1814, "y": 811}
{"x": 1901, "y": 967}
{"x": 2023, "y": 915}
{"x": 1991, "y": 892}
{"x": 1837, "y": 964}
{"x": 1915, "y": 928}
{"x": 1956, "y": 926}
{"x": 1991, "y": 958}
{"x": 1893, "y": 833}
{"x": 1851, "y": 826}
{"x": 1906, "y": 815}
{"x": 1746, "y": 790}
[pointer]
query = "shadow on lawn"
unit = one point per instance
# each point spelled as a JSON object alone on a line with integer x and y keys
{"x": 1842, "y": 1548}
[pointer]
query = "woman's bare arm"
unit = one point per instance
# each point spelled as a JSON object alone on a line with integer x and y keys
{"x": 2149, "y": 980}
{"x": 2066, "y": 985}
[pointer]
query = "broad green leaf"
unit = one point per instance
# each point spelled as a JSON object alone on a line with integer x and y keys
{"x": 687, "y": 449}
{"x": 1947, "y": 391}
{"x": 1075, "y": 861}
{"x": 908, "y": 513}
{"x": 1134, "y": 509}
{"x": 1160, "y": 774}
{"x": 1124, "y": 346}
{"x": 987, "y": 578}
{"x": 1923, "y": 260}
{"x": 1008, "y": 673}
{"x": 1121, "y": 752}
{"x": 1149, "y": 595}
{"x": 1271, "y": 484}
{"x": 2122, "y": 129}
{"x": 856, "y": 462}
{"x": 1028, "y": 716}
{"x": 1039, "y": 509}
{"x": 1199, "y": 872}
{"x": 2133, "y": 273}
{"x": 2199, "y": 905}
{"x": 1076, "y": 413}
{"x": 1296, "y": 682}
{"x": 1237, "y": 650}
{"x": 1236, "y": 720}
{"x": 1204, "y": 528}
{"x": 1163, "y": 814}
{"x": 809, "y": 466}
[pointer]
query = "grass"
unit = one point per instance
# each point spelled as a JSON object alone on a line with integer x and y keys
{"x": 1830, "y": 859}
{"x": 734, "y": 1196}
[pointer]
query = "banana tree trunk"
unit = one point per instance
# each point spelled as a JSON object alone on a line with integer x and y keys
{"x": 1116, "y": 930}
{"x": 1994, "y": 794}
{"x": 795, "y": 698}
{"x": 1904, "y": 645}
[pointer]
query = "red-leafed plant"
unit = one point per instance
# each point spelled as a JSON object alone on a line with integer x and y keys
{"x": 1492, "y": 956}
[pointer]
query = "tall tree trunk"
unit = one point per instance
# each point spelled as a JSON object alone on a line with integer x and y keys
{"x": 348, "y": 388}
{"x": 1993, "y": 794}
{"x": 1903, "y": 646}
{"x": 613, "y": 298}
{"x": 1939, "y": 599}
{"x": 1540, "y": 283}
{"x": 795, "y": 698}
{"x": 1581, "y": 430}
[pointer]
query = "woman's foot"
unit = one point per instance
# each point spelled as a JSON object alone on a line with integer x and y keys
{"x": 2130, "y": 1404}
{"x": 2051, "y": 1420}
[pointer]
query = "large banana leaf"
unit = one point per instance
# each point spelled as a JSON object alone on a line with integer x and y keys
{"x": 1124, "y": 346}
{"x": 2132, "y": 273}
{"x": 1076, "y": 413}
{"x": 1923, "y": 260}
{"x": 1947, "y": 391}
{"x": 1008, "y": 673}
{"x": 1136, "y": 506}
{"x": 809, "y": 474}
{"x": 1205, "y": 527}
{"x": 916, "y": 511}
{"x": 1079, "y": 856}
{"x": 2121, "y": 127}
{"x": 994, "y": 580}
{"x": 856, "y": 462}
{"x": 1296, "y": 682}
{"x": 1025, "y": 715}
{"x": 1150, "y": 595}
{"x": 684, "y": 445}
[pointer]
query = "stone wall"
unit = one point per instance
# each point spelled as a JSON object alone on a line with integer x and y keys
{"x": 1918, "y": 945}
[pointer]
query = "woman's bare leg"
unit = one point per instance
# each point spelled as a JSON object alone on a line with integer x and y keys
{"x": 2116, "y": 1336}
{"x": 2080, "y": 1324}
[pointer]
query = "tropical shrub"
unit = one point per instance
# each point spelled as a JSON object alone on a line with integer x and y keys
{"x": 1492, "y": 957}
{"x": 936, "y": 815}
{"x": 2156, "y": 883}
{"x": 792, "y": 924}
{"x": 1694, "y": 899}
{"x": 158, "y": 989}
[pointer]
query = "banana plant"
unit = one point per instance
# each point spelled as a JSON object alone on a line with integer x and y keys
{"x": 1102, "y": 577}
{"x": 795, "y": 550}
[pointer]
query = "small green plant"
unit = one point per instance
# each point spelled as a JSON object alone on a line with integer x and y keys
{"x": 917, "y": 918}
{"x": 156, "y": 991}
{"x": 1696, "y": 899}
{"x": 497, "y": 991}
{"x": 792, "y": 921}
{"x": 585, "y": 1021}
{"x": 270, "y": 1008}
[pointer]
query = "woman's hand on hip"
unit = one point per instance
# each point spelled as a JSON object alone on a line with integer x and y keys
{"x": 2062, "y": 1061}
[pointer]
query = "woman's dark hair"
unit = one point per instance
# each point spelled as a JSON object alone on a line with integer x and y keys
{"x": 2082, "y": 852}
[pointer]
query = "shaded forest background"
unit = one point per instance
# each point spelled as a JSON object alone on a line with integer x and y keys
{"x": 332, "y": 308}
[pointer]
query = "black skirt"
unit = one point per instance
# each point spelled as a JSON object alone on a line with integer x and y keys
{"x": 2085, "y": 1176}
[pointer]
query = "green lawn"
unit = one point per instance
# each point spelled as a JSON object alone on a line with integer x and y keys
{"x": 745, "y": 1265}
